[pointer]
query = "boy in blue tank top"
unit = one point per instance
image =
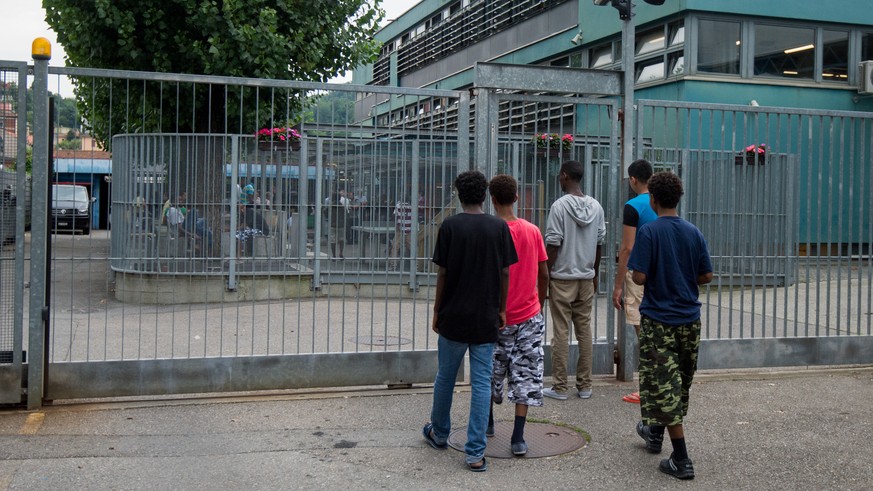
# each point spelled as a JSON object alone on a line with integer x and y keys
{"x": 671, "y": 259}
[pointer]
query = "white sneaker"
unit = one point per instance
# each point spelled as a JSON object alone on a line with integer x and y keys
{"x": 584, "y": 394}
{"x": 551, "y": 393}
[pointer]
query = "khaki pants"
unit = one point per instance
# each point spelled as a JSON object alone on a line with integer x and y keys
{"x": 571, "y": 301}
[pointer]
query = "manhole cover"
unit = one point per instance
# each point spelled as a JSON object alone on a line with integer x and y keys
{"x": 543, "y": 440}
{"x": 381, "y": 340}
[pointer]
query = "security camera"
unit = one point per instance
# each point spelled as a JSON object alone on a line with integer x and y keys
{"x": 601, "y": 2}
{"x": 577, "y": 38}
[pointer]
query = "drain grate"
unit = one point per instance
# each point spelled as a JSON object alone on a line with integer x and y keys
{"x": 380, "y": 340}
{"x": 543, "y": 440}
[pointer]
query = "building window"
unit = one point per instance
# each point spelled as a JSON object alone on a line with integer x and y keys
{"x": 576, "y": 60}
{"x": 677, "y": 34}
{"x": 651, "y": 41}
{"x": 650, "y": 70}
{"x": 867, "y": 46}
{"x": 563, "y": 61}
{"x": 718, "y": 47}
{"x": 677, "y": 63}
{"x": 784, "y": 51}
{"x": 835, "y": 56}
{"x": 600, "y": 57}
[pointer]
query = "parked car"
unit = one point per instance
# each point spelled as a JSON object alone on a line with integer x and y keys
{"x": 71, "y": 208}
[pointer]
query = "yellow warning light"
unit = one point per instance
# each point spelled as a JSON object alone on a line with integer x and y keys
{"x": 41, "y": 49}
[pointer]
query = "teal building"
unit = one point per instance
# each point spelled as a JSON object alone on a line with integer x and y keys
{"x": 774, "y": 56}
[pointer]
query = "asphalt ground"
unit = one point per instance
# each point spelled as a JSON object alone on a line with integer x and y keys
{"x": 797, "y": 429}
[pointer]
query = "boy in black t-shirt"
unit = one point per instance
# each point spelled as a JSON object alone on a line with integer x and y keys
{"x": 473, "y": 251}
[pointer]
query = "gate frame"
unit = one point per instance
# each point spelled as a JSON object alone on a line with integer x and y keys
{"x": 12, "y": 373}
{"x": 490, "y": 82}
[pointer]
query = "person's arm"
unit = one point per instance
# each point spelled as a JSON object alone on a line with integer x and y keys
{"x": 438, "y": 297}
{"x": 597, "y": 253}
{"x": 504, "y": 293}
{"x": 543, "y": 283}
{"x": 552, "y": 253}
{"x": 704, "y": 278}
{"x": 628, "y": 234}
{"x": 639, "y": 278}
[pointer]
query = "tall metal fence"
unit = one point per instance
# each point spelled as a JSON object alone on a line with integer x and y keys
{"x": 234, "y": 261}
{"x": 783, "y": 197}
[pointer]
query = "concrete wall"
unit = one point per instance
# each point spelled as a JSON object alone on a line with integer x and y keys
{"x": 171, "y": 289}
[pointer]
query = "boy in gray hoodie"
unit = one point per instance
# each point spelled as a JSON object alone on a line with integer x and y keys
{"x": 575, "y": 231}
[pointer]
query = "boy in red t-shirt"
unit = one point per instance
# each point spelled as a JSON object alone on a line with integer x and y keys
{"x": 518, "y": 355}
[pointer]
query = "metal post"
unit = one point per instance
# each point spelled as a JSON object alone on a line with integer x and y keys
{"x": 627, "y": 340}
{"x": 41, "y": 51}
{"x": 233, "y": 210}
{"x": 413, "y": 234}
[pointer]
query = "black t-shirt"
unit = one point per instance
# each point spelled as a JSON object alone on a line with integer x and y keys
{"x": 474, "y": 249}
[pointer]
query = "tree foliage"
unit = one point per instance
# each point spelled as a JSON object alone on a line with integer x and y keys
{"x": 311, "y": 40}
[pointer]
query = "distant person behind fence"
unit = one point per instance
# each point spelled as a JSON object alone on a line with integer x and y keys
{"x": 402, "y": 244}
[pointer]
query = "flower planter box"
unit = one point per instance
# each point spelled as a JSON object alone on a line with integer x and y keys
{"x": 552, "y": 152}
{"x": 278, "y": 146}
{"x": 750, "y": 159}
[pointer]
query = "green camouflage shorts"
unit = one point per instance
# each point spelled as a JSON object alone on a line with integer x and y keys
{"x": 668, "y": 360}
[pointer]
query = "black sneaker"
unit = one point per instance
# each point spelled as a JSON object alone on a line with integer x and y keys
{"x": 681, "y": 469}
{"x": 653, "y": 441}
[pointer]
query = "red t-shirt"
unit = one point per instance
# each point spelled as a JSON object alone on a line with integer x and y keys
{"x": 523, "y": 301}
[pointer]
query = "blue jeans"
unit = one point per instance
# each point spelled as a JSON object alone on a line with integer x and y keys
{"x": 450, "y": 354}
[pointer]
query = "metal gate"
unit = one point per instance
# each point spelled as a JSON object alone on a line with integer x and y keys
{"x": 336, "y": 293}
{"x": 783, "y": 197}
{"x": 14, "y": 202}
{"x": 516, "y": 108}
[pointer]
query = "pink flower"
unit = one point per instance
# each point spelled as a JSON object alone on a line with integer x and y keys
{"x": 761, "y": 149}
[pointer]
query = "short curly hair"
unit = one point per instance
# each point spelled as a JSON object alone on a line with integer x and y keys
{"x": 471, "y": 186}
{"x": 503, "y": 189}
{"x": 666, "y": 189}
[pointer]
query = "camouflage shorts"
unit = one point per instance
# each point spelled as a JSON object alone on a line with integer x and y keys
{"x": 518, "y": 356}
{"x": 668, "y": 360}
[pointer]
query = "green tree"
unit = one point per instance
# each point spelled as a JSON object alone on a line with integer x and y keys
{"x": 292, "y": 40}
{"x": 337, "y": 107}
{"x": 67, "y": 114}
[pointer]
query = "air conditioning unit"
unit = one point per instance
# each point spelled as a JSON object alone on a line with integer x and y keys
{"x": 865, "y": 77}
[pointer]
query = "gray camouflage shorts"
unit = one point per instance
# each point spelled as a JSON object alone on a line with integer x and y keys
{"x": 518, "y": 356}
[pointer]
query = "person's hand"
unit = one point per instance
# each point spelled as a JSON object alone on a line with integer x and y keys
{"x": 616, "y": 297}
{"x": 502, "y": 319}
{"x": 433, "y": 324}
{"x": 595, "y": 284}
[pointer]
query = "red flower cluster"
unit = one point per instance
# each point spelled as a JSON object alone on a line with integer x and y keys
{"x": 278, "y": 135}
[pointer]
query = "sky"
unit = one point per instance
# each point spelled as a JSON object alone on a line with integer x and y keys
{"x": 24, "y": 20}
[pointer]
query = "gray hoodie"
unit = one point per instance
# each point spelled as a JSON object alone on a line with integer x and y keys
{"x": 576, "y": 225}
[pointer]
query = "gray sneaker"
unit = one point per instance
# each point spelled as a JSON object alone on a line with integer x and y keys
{"x": 680, "y": 469}
{"x": 553, "y": 394}
{"x": 653, "y": 441}
{"x": 584, "y": 394}
{"x": 519, "y": 448}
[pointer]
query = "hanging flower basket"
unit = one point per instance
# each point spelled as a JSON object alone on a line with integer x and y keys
{"x": 752, "y": 155}
{"x": 552, "y": 152}
{"x": 278, "y": 139}
{"x": 553, "y": 140}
